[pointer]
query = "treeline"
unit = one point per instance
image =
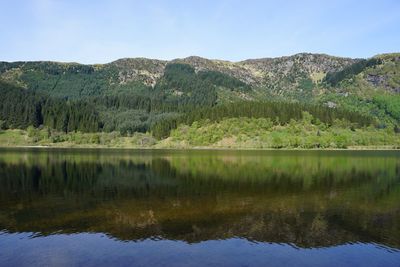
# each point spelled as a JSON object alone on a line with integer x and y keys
{"x": 334, "y": 78}
{"x": 279, "y": 112}
{"x": 20, "y": 108}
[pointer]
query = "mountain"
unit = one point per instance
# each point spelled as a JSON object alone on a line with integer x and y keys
{"x": 294, "y": 76}
{"x": 278, "y": 75}
{"x": 140, "y": 95}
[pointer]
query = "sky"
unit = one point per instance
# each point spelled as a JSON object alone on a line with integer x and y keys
{"x": 102, "y": 31}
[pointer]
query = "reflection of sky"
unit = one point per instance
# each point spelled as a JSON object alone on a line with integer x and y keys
{"x": 99, "y": 250}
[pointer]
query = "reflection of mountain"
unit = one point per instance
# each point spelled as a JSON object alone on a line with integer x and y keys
{"x": 310, "y": 199}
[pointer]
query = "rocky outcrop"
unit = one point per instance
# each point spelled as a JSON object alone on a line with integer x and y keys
{"x": 376, "y": 80}
{"x": 144, "y": 70}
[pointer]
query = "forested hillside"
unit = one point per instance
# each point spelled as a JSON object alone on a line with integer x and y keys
{"x": 158, "y": 97}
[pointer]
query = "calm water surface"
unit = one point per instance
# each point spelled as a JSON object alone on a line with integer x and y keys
{"x": 199, "y": 208}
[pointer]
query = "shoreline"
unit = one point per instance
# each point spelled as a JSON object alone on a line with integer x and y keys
{"x": 366, "y": 148}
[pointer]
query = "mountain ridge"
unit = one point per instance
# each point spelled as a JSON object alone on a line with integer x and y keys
{"x": 277, "y": 75}
{"x": 196, "y": 56}
{"x": 251, "y": 71}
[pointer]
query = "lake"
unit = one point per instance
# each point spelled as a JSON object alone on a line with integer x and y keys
{"x": 71, "y": 207}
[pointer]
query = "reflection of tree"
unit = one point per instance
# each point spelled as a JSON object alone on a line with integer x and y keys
{"x": 180, "y": 197}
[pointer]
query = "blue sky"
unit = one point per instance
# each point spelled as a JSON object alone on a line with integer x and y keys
{"x": 104, "y": 30}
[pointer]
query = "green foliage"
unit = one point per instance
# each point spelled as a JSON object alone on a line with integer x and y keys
{"x": 224, "y": 80}
{"x": 365, "y": 106}
{"x": 389, "y": 103}
{"x": 21, "y": 108}
{"x": 181, "y": 85}
{"x": 67, "y": 80}
{"x": 263, "y": 133}
{"x": 162, "y": 128}
{"x": 306, "y": 84}
{"x": 48, "y": 137}
{"x": 132, "y": 100}
{"x": 68, "y": 116}
{"x": 280, "y": 112}
{"x": 129, "y": 121}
